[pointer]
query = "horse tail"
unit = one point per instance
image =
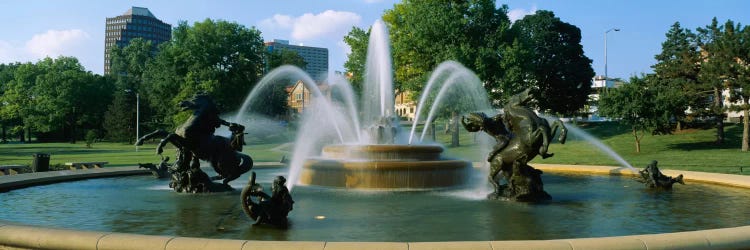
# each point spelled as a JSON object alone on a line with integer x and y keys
{"x": 563, "y": 130}
{"x": 246, "y": 162}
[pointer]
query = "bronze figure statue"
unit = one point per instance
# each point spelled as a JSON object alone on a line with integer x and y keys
{"x": 195, "y": 140}
{"x": 653, "y": 178}
{"x": 268, "y": 209}
{"x": 161, "y": 171}
{"x": 521, "y": 135}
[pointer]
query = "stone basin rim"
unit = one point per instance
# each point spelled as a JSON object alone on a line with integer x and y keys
{"x": 383, "y": 147}
{"x": 384, "y": 165}
{"x": 15, "y": 235}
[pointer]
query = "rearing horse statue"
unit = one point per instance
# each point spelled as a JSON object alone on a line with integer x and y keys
{"x": 196, "y": 140}
{"x": 521, "y": 135}
{"x": 526, "y": 123}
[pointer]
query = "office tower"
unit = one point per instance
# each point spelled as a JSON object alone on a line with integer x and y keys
{"x": 316, "y": 58}
{"x": 134, "y": 23}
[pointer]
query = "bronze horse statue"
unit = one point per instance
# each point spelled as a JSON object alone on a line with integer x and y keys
{"x": 526, "y": 123}
{"x": 521, "y": 135}
{"x": 196, "y": 140}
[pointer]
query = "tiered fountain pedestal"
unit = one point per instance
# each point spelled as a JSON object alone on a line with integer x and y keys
{"x": 384, "y": 167}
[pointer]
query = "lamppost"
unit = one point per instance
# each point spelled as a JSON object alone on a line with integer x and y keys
{"x": 605, "y": 54}
{"x": 137, "y": 118}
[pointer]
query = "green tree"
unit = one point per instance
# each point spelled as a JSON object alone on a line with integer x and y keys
{"x": 677, "y": 68}
{"x": 17, "y": 99}
{"x": 224, "y": 59}
{"x": 559, "y": 70}
{"x": 425, "y": 33}
{"x": 357, "y": 39}
{"x": 7, "y": 72}
{"x": 743, "y": 83}
{"x": 637, "y": 105}
{"x": 129, "y": 65}
{"x": 118, "y": 117}
{"x": 54, "y": 98}
{"x": 515, "y": 63}
{"x": 90, "y": 138}
{"x": 66, "y": 95}
{"x": 736, "y": 44}
{"x": 98, "y": 95}
{"x": 132, "y": 60}
{"x": 715, "y": 72}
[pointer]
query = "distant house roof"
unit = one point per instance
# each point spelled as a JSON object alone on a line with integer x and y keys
{"x": 323, "y": 87}
{"x": 138, "y": 11}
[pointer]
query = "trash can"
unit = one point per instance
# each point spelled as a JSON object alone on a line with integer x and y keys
{"x": 41, "y": 163}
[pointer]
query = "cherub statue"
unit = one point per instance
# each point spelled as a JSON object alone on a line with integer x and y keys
{"x": 653, "y": 178}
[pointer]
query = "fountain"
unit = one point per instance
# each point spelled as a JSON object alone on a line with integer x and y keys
{"x": 595, "y": 211}
{"x": 336, "y": 147}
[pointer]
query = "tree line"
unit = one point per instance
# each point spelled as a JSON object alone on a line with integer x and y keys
{"x": 58, "y": 100}
{"x": 226, "y": 59}
{"x": 540, "y": 52}
{"x": 695, "y": 73}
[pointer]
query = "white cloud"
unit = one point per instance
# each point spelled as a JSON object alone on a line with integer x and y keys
{"x": 373, "y": 1}
{"x": 312, "y": 26}
{"x": 54, "y": 43}
{"x": 518, "y": 14}
{"x": 278, "y": 21}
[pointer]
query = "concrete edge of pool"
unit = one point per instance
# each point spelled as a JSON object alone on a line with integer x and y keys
{"x": 18, "y": 236}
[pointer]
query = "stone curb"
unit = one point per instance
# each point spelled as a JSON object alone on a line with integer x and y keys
{"x": 16, "y": 181}
{"x": 742, "y": 181}
{"x": 13, "y": 235}
{"x": 30, "y": 237}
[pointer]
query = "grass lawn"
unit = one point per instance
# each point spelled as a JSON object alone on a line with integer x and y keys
{"x": 692, "y": 149}
{"x": 117, "y": 154}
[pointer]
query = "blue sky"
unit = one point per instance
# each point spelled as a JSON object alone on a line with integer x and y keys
{"x": 30, "y": 30}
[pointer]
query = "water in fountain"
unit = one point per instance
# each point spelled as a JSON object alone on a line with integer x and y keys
{"x": 326, "y": 122}
{"x": 360, "y": 132}
{"x": 599, "y": 145}
{"x": 377, "y": 90}
{"x": 452, "y": 80}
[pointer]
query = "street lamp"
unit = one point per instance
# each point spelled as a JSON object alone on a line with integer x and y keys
{"x": 605, "y": 53}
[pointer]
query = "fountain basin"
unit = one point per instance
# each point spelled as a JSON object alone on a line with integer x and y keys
{"x": 408, "y": 175}
{"x": 392, "y": 167}
{"x": 383, "y": 152}
{"x": 17, "y": 235}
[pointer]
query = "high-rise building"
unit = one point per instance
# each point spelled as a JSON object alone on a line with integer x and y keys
{"x": 316, "y": 58}
{"x": 136, "y": 22}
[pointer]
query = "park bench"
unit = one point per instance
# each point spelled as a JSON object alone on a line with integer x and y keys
{"x": 11, "y": 169}
{"x": 85, "y": 165}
